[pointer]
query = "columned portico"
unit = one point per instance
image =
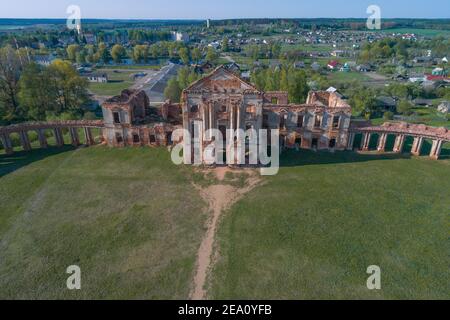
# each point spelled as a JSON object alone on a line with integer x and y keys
{"x": 7, "y": 144}
{"x": 399, "y": 143}
{"x": 42, "y": 138}
{"x": 366, "y": 141}
{"x": 75, "y": 140}
{"x": 382, "y": 142}
{"x": 88, "y": 137}
{"x": 59, "y": 137}
{"x": 351, "y": 141}
{"x": 436, "y": 149}
{"x": 25, "y": 140}
{"x": 417, "y": 146}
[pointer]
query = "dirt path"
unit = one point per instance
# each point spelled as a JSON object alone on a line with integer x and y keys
{"x": 219, "y": 197}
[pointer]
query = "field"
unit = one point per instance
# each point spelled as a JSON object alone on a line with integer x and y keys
{"x": 311, "y": 231}
{"x": 117, "y": 81}
{"x": 420, "y": 32}
{"x": 421, "y": 115}
{"x": 133, "y": 222}
{"x": 129, "y": 218}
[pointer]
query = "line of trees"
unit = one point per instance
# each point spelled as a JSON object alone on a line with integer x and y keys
{"x": 141, "y": 53}
{"x": 33, "y": 92}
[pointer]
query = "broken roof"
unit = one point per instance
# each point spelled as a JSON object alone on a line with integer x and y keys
{"x": 221, "y": 78}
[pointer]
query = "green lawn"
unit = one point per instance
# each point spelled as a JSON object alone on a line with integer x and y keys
{"x": 117, "y": 81}
{"x": 311, "y": 231}
{"x": 128, "y": 217}
{"x": 339, "y": 77}
{"x": 133, "y": 223}
{"x": 421, "y": 115}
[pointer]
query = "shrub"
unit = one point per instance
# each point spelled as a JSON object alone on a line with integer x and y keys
{"x": 388, "y": 115}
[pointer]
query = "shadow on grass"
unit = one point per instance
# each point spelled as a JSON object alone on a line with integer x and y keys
{"x": 292, "y": 158}
{"x": 20, "y": 159}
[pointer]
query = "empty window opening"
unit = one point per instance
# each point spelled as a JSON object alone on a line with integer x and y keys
{"x": 332, "y": 144}
{"x": 119, "y": 138}
{"x": 336, "y": 121}
{"x": 318, "y": 122}
{"x": 283, "y": 121}
{"x": 136, "y": 138}
{"x": 194, "y": 108}
{"x": 266, "y": 120}
{"x": 315, "y": 143}
{"x": 274, "y": 100}
{"x": 300, "y": 121}
{"x": 116, "y": 116}
{"x": 169, "y": 138}
{"x": 152, "y": 138}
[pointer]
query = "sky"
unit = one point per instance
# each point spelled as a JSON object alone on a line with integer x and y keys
{"x": 220, "y": 9}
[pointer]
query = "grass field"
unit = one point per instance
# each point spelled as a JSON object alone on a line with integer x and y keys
{"x": 311, "y": 231}
{"x": 339, "y": 77}
{"x": 133, "y": 223}
{"x": 421, "y": 115}
{"x": 129, "y": 218}
{"x": 420, "y": 32}
{"x": 117, "y": 81}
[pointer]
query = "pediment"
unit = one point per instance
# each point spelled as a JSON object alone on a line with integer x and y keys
{"x": 221, "y": 80}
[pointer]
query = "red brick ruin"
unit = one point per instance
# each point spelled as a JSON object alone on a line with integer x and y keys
{"x": 222, "y": 101}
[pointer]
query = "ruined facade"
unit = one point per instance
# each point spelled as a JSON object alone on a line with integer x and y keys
{"x": 130, "y": 121}
{"x": 224, "y": 102}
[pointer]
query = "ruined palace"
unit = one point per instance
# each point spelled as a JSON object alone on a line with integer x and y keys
{"x": 224, "y": 102}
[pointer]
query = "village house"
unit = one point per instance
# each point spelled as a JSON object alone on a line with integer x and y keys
{"x": 333, "y": 65}
{"x": 44, "y": 60}
{"x": 444, "y": 107}
{"x": 97, "y": 77}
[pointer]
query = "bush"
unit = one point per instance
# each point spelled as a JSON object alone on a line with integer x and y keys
{"x": 388, "y": 115}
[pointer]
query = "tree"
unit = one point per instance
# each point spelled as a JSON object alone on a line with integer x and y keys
{"x": 284, "y": 80}
{"x": 225, "y": 44}
{"x": 211, "y": 56}
{"x": 404, "y": 107}
{"x": 173, "y": 90}
{"x": 36, "y": 92}
{"x": 68, "y": 88}
{"x": 11, "y": 65}
{"x": 103, "y": 53}
{"x": 72, "y": 51}
{"x": 363, "y": 101}
{"x": 184, "y": 55}
{"x": 196, "y": 55}
{"x": 298, "y": 87}
{"x": 140, "y": 53}
{"x": 118, "y": 53}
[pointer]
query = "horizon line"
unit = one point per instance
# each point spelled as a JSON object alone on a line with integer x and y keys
{"x": 224, "y": 19}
